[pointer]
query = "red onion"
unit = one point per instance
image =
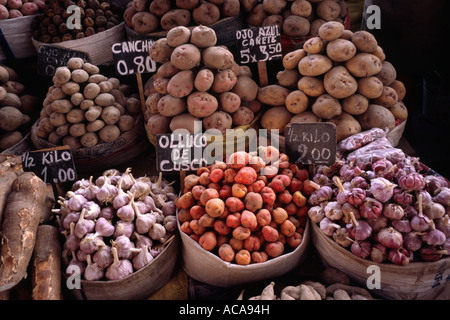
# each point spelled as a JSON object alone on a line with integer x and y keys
{"x": 119, "y": 268}
{"x": 390, "y": 238}
{"x": 412, "y": 241}
{"x": 361, "y": 249}
{"x": 93, "y": 272}
{"x": 433, "y": 236}
{"x": 399, "y": 256}
{"x": 393, "y": 211}
{"x": 382, "y": 189}
{"x": 378, "y": 253}
{"x": 411, "y": 181}
{"x": 371, "y": 208}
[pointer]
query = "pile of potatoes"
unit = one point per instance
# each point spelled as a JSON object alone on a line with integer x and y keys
{"x": 146, "y": 16}
{"x": 10, "y": 9}
{"x": 51, "y": 26}
{"x": 331, "y": 285}
{"x": 197, "y": 81}
{"x": 295, "y": 18}
{"x": 16, "y": 108}
{"x": 340, "y": 77}
{"x": 84, "y": 108}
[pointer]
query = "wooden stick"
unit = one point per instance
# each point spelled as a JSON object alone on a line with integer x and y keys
{"x": 262, "y": 71}
{"x": 141, "y": 91}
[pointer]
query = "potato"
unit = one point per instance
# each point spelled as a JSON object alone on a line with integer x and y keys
{"x": 186, "y": 4}
{"x": 57, "y": 119}
{"x": 144, "y": 22}
{"x": 288, "y": 78}
{"x": 276, "y": 118}
{"x": 104, "y": 99}
{"x": 224, "y": 80}
{"x": 204, "y": 80}
{"x": 11, "y": 100}
{"x": 167, "y": 70}
{"x": 314, "y": 65}
{"x": 91, "y": 90}
{"x": 97, "y": 78}
{"x": 313, "y": 45}
{"x": 346, "y": 125}
{"x": 364, "y": 65}
{"x": 77, "y": 129}
{"x": 76, "y": 98}
{"x": 379, "y": 52}
{"x": 231, "y": 8}
{"x": 387, "y": 98}
{"x": 139, "y": 5}
{"x": 301, "y": 8}
{"x": 109, "y": 133}
{"x": 274, "y": 6}
{"x": 91, "y": 68}
{"x": 3, "y": 93}
{"x": 243, "y": 116}
{"x": 328, "y": 10}
{"x": 217, "y": 57}
{"x": 185, "y": 56}
{"x": 75, "y": 116}
{"x": 370, "y": 87}
{"x": 312, "y": 86}
{"x": 399, "y": 87}
{"x": 159, "y": 7}
{"x": 178, "y": 35}
{"x": 72, "y": 142}
{"x": 340, "y": 50}
{"x": 170, "y": 106}
{"x": 246, "y": 88}
{"x": 218, "y": 120}
{"x": 110, "y": 115}
{"x": 229, "y": 101}
{"x": 377, "y": 116}
{"x": 254, "y": 105}
{"x": 93, "y": 113}
{"x": 399, "y": 111}
{"x": 184, "y": 121}
{"x": 160, "y": 51}
{"x": 62, "y": 105}
{"x": 132, "y": 106}
{"x": 174, "y": 18}
{"x": 10, "y": 118}
{"x": 274, "y": 20}
{"x": 203, "y": 37}
{"x": 89, "y": 139}
{"x": 125, "y": 123}
{"x": 181, "y": 84}
{"x": 9, "y": 139}
{"x": 273, "y": 95}
{"x": 206, "y": 14}
{"x": 305, "y": 117}
{"x": 330, "y": 30}
{"x": 86, "y": 103}
{"x": 160, "y": 85}
{"x": 106, "y": 87}
{"x": 295, "y": 26}
{"x": 355, "y": 105}
{"x": 93, "y": 126}
{"x": 257, "y": 15}
{"x": 339, "y": 83}
{"x": 79, "y": 76}
{"x": 201, "y": 104}
{"x": 61, "y": 76}
{"x": 14, "y": 87}
{"x": 387, "y": 74}
{"x": 297, "y": 102}
{"x": 4, "y": 13}
{"x": 29, "y": 8}
{"x": 15, "y": 13}
{"x": 326, "y": 107}
{"x": 128, "y": 16}
{"x": 292, "y": 58}
{"x": 364, "y": 41}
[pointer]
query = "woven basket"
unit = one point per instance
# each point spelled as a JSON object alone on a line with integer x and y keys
{"x": 17, "y": 33}
{"x": 396, "y": 134}
{"x": 97, "y": 47}
{"x": 416, "y": 281}
{"x": 105, "y": 155}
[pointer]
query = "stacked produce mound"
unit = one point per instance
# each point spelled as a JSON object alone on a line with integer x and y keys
{"x": 52, "y": 25}
{"x": 297, "y": 18}
{"x": 198, "y": 81}
{"x": 16, "y": 108}
{"x": 17, "y": 8}
{"x": 146, "y": 16}
{"x": 116, "y": 224}
{"x": 382, "y": 204}
{"x": 339, "y": 77}
{"x": 247, "y": 210}
{"x": 84, "y": 108}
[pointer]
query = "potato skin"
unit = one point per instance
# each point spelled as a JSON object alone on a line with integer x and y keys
{"x": 178, "y": 35}
{"x": 326, "y": 107}
{"x": 331, "y": 30}
{"x": 217, "y": 57}
{"x": 364, "y": 65}
{"x": 370, "y": 87}
{"x": 297, "y": 102}
{"x": 243, "y": 116}
{"x": 201, "y": 104}
{"x": 364, "y": 41}
{"x": 181, "y": 84}
{"x": 355, "y": 105}
{"x": 346, "y": 125}
{"x": 174, "y": 18}
{"x": 246, "y": 88}
{"x": 276, "y": 118}
{"x": 340, "y": 50}
{"x": 204, "y": 79}
{"x": 170, "y": 106}
{"x": 185, "y": 56}
{"x": 218, "y": 120}
{"x": 312, "y": 86}
{"x": 203, "y": 37}
{"x": 144, "y": 22}
{"x": 273, "y": 95}
{"x": 377, "y": 116}
{"x": 339, "y": 83}
{"x": 314, "y": 65}
{"x": 183, "y": 121}
{"x": 206, "y": 14}
{"x": 295, "y": 26}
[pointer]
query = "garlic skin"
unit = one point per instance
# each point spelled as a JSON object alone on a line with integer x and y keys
{"x": 390, "y": 238}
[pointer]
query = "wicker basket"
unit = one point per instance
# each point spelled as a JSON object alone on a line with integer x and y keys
{"x": 416, "y": 281}
{"x": 97, "y": 47}
{"x": 17, "y": 33}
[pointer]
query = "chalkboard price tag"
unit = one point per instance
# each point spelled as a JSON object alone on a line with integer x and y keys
{"x": 52, "y": 165}
{"x": 259, "y": 44}
{"x": 180, "y": 152}
{"x": 311, "y": 143}
{"x": 132, "y": 57}
{"x": 50, "y": 58}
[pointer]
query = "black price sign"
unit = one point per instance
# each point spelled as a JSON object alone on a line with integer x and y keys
{"x": 50, "y": 58}
{"x": 259, "y": 44}
{"x": 311, "y": 143}
{"x": 52, "y": 165}
{"x": 180, "y": 152}
{"x": 132, "y": 57}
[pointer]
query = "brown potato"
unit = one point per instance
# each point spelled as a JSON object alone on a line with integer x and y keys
{"x": 297, "y": 102}
{"x": 160, "y": 51}
{"x": 328, "y": 10}
{"x": 305, "y": 117}
{"x": 330, "y": 30}
{"x": 377, "y": 116}
{"x": 339, "y": 83}
{"x": 158, "y": 124}
{"x": 229, "y": 101}
{"x": 326, "y": 107}
{"x": 314, "y": 65}
{"x": 295, "y": 26}
{"x": 315, "y": 26}
{"x": 174, "y": 18}
{"x": 364, "y": 65}
{"x": 144, "y": 22}
{"x": 206, "y": 14}
{"x": 217, "y": 57}
{"x": 387, "y": 98}
{"x": 364, "y": 41}
{"x": 340, "y": 50}
{"x": 292, "y": 58}
{"x": 204, "y": 80}
{"x": 387, "y": 74}
{"x": 178, "y": 36}
{"x": 276, "y": 118}
{"x": 201, "y": 104}
{"x": 224, "y": 80}
{"x": 399, "y": 111}
{"x": 203, "y": 37}
{"x": 184, "y": 121}
{"x": 274, "y": 6}
{"x": 246, "y": 88}
{"x": 314, "y": 45}
{"x": 346, "y": 125}
{"x": 218, "y": 120}
{"x": 288, "y": 78}
{"x": 355, "y": 105}
{"x": 274, "y": 20}
{"x": 272, "y": 95}
{"x": 301, "y": 8}
{"x": 185, "y": 56}
{"x": 312, "y": 86}
{"x": 231, "y": 8}
{"x": 399, "y": 87}
{"x": 181, "y": 84}
{"x": 170, "y": 106}
{"x": 242, "y": 116}
{"x": 256, "y": 17}
{"x": 370, "y": 87}
{"x": 159, "y": 7}
{"x": 186, "y": 4}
